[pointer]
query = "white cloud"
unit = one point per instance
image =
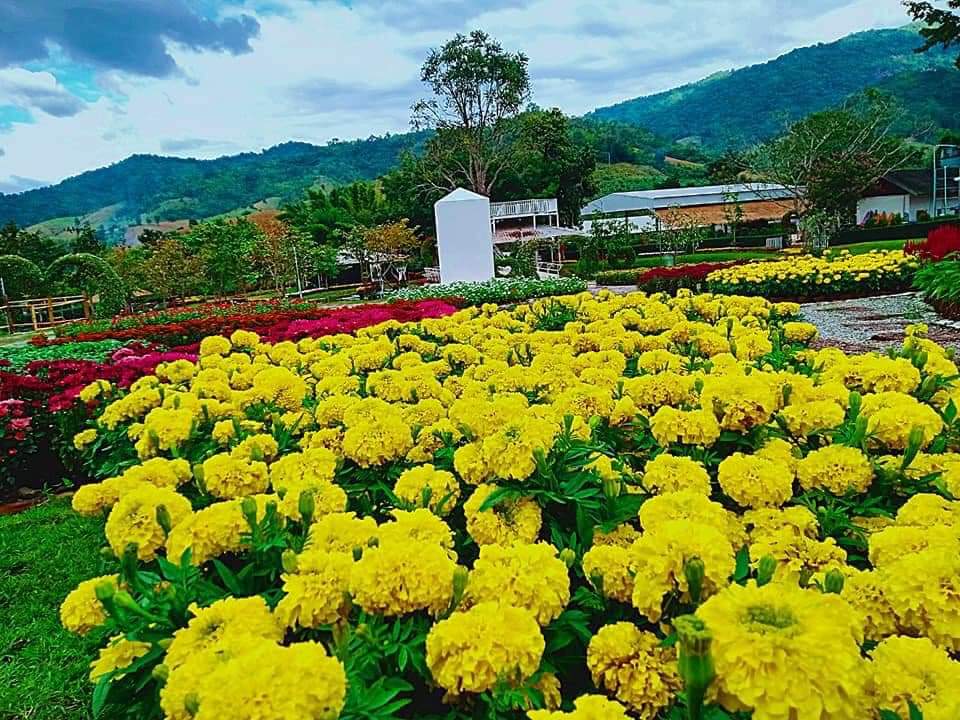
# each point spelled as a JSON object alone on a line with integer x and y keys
{"x": 323, "y": 70}
{"x": 37, "y": 91}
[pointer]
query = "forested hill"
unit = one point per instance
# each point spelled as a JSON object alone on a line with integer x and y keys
{"x": 163, "y": 188}
{"x": 754, "y": 103}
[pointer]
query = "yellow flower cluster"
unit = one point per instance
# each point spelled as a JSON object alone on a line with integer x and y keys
{"x": 501, "y": 491}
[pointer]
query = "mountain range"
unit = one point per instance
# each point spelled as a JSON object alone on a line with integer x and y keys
{"x": 726, "y": 110}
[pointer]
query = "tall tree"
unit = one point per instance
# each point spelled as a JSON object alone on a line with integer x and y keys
{"x": 34, "y": 246}
{"x": 830, "y": 158}
{"x": 477, "y": 88}
{"x": 942, "y": 25}
{"x": 226, "y": 248}
{"x": 171, "y": 271}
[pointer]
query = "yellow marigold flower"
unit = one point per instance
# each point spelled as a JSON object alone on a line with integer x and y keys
{"x": 526, "y": 576}
{"x": 256, "y": 447}
{"x": 892, "y": 416}
{"x": 400, "y": 578}
{"x": 316, "y": 591}
{"x": 84, "y": 438}
{"x": 782, "y": 652}
{"x": 908, "y": 670}
{"x": 508, "y": 522}
{"x": 119, "y": 654}
{"x": 863, "y": 590}
{"x": 223, "y": 432}
{"x": 753, "y": 481}
{"x": 800, "y": 332}
{"x": 176, "y": 372}
{"x": 160, "y": 472}
{"x": 741, "y": 402}
{"x": 882, "y": 374}
{"x": 696, "y": 427}
{"x": 768, "y": 520}
{"x": 341, "y": 532}
{"x": 837, "y": 469}
{"x": 805, "y": 418}
{"x": 923, "y": 589}
{"x": 312, "y": 466}
{"x": 244, "y": 339}
{"x": 93, "y": 499}
{"x": 586, "y": 707}
{"x": 214, "y": 345}
{"x": 667, "y": 473}
{"x": 327, "y": 498}
{"x": 682, "y": 505}
{"x": 609, "y": 567}
{"x": 236, "y": 689}
{"x": 469, "y": 463}
{"x": 635, "y": 667}
{"x": 903, "y": 541}
{"x": 796, "y": 553}
{"x": 413, "y": 484}
{"x": 222, "y": 624}
{"x": 81, "y": 611}
{"x": 510, "y": 452}
{"x": 226, "y": 476}
{"x": 652, "y": 391}
{"x": 420, "y": 525}
{"x": 168, "y": 428}
{"x": 94, "y": 390}
{"x": 134, "y": 520}
{"x": 377, "y": 442}
{"x": 751, "y": 344}
{"x": 659, "y": 556}
{"x": 474, "y": 650}
{"x": 215, "y": 530}
{"x": 281, "y": 387}
{"x": 929, "y": 510}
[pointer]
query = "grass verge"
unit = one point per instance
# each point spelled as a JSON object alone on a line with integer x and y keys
{"x": 44, "y": 553}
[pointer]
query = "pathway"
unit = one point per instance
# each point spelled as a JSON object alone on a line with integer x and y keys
{"x": 877, "y": 323}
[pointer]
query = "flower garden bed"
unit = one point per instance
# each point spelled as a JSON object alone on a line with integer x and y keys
{"x": 809, "y": 278}
{"x": 662, "y": 504}
{"x": 40, "y": 383}
{"x": 499, "y": 292}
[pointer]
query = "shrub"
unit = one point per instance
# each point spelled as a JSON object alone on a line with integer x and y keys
{"x": 494, "y": 291}
{"x": 93, "y": 276}
{"x": 21, "y": 277}
{"x": 940, "y": 242}
{"x": 940, "y": 282}
{"x": 618, "y": 277}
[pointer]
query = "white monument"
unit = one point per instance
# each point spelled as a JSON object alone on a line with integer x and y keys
{"x": 464, "y": 239}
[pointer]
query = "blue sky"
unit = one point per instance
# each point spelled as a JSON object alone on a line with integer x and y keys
{"x": 85, "y": 83}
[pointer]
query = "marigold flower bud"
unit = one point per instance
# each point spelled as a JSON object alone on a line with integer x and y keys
{"x": 163, "y": 519}
{"x": 289, "y": 561}
{"x": 695, "y": 661}
{"x": 766, "y": 569}
{"x": 307, "y": 507}
{"x": 568, "y": 556}
{"x": 694, "y": 571}
{"x": 249, "y": 508}
{"x": 833, "y": 582}
{"x": 160, "y": 673}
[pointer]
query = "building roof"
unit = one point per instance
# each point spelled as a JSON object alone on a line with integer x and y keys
{"x": 913, "y": 182}
{"x": 652, "y": 200}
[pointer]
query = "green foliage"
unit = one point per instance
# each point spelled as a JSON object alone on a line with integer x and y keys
{"x": 226, "y": 248}
{"x": 942, "y": 26}
{"x": 494, "y": 291}
{"x": 625, "y": 177}
{"x": 736, "y": 109}
{"x": 324, "y": 216}
{"x": 939, "y": 281}
{"x": 203, "y": 188}
{"x": 20, "y": 355}
{"x": 92, "y": 276}
{"x": 34, "y": 246}
{"x": 21, "y": 277}
{"x": 44, "y": 553}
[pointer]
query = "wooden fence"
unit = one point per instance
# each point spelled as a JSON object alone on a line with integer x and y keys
{"x": 43, "y": 313}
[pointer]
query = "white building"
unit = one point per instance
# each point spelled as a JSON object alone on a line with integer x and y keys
{"x": 905, "y": 193}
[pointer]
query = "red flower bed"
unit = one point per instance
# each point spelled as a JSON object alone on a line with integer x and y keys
{"x": 671, "y": 279}
{"x": 940, "y": 242}
{"x": 273, "y": 325}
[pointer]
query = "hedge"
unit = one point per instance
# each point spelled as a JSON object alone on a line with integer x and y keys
{"x": 93, "y": 276}
{"x": 21, "y": 277}
{"x": 906, "y": 231}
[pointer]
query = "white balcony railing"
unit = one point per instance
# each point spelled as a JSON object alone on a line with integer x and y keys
{"x": 523, "y": 208}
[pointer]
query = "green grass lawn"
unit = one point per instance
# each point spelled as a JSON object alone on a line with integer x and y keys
{"x": 44, "y": 553}
{"x": 860, "y": 248}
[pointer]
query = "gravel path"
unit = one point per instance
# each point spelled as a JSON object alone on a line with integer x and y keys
{"x": 877, "y": 323}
